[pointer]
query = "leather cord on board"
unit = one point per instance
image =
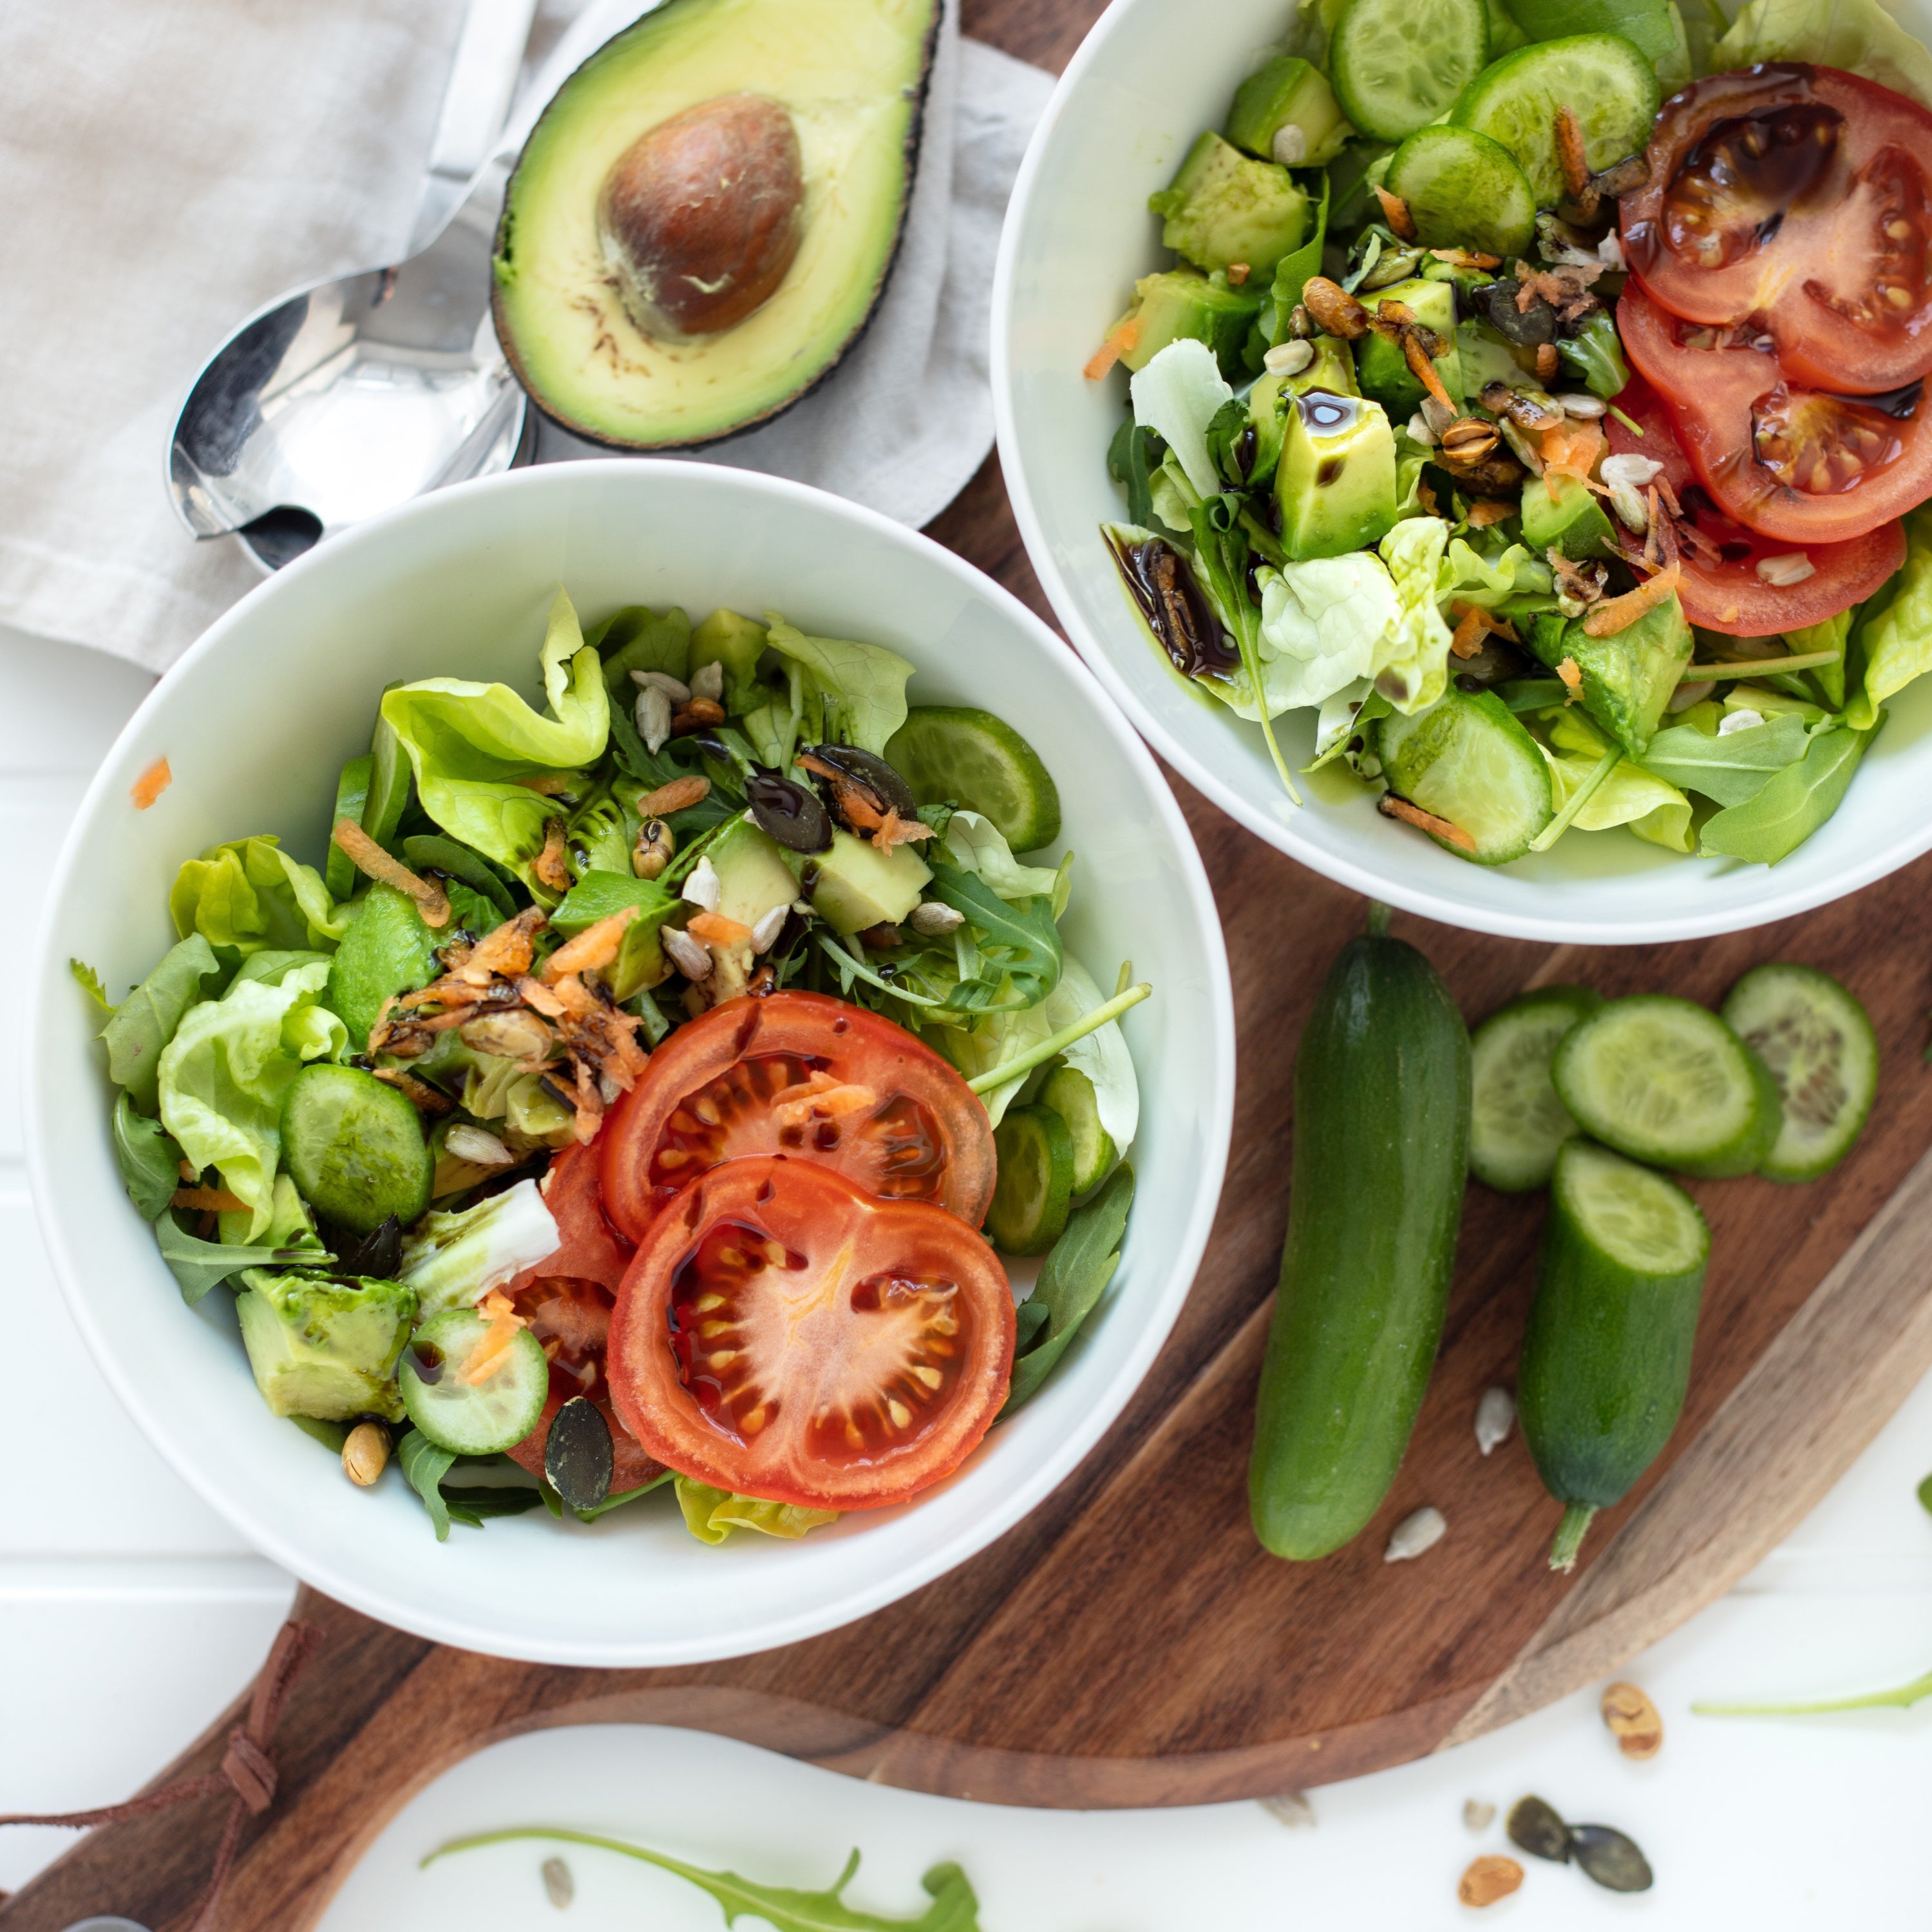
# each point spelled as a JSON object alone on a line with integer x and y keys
{"x": 248, "y": 1772}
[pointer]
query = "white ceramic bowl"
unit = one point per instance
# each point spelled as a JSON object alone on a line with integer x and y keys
{"x": 1149, "y": 77}
{"x": 255, "y": 721}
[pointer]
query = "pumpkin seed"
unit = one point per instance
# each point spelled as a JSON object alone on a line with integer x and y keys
{"x": 1609, "y": 1857}
{"x": 577, "y": 1455}
{"x": 1535, "y": 1826}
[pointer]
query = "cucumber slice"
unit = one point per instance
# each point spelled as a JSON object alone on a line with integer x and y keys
{"x": 1664, "y": 1080}
{"x": 1468, "y": 759}
{"x": 1069, "y": 1093}
{"x": 1602, "y": 78}
{"x": 1397, "y": 65}
{"x": 1031, "y": 1199}
{"x": 1518, "y": 1123}
{"x": 472, "y": 1418}
{"x": 1818, "y": 1043}
{"x": 951, "y": 752}
{"x": 354, "y": 1148}
{"x": 1606, "y": 1354}
{"x": 1463, "y": 191}
{"x": 352, "y": 794}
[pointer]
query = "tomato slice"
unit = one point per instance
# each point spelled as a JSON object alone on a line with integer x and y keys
{"x": 800, "y": 1074}
{"x": 1725, "y": 593}
{"x": 1798, "y": 465}
{"x": 1797, "y": 201}
{"x": 783, "y": 1334}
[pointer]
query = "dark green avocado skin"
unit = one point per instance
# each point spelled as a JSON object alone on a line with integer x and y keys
{"x": 505, "y": 242}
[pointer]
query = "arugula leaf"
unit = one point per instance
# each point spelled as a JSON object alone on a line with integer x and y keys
{"x": 1133, "y": 457}
{"x": 711, "y": 1515}
{"x": 955, "y": 1908}
{"x": 197, "y": 1265}
{"x": 1020, "y": 945}
{"x": 91, "y": 984}
{"x": 476, "y": 1502}
{"x": 1794, "y": 804}
{"x": 1221, "y": 556}
{"x": 1078, "y": 1267}
{"x": 1596, "y": 355}
{"x": 150, "y": 1160}
{"x": 622, "y": 1497}
{"x": 1293, "y": 272}
{"x": 423, "y": 1466}
{"x": 145, "y": 1021}
{"x": 1732, "y": 769}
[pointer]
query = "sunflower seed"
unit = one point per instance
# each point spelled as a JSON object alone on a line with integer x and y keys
{"x": 653, "y": 717}
{"x": 708, "y": 682}
{"x": 560, "y": 1888}
{"x": 1496, "y": 1416}
{"x": 1291, "y": 145}
{"x": 1742, "y": 719}
{"x": 1585, "y": 407}
{"x": 1291, "y": 1807}
{"x": 1478, "y": 1814}
{"x": 479, "y": 1148}
{"x": 932, "y": 917}
{"x": 1626, "y": 477}
{"x": 1783, "y": 571}
{"x": 674, "y": 688}
{"x": 1422, "y": 1530}
{"x": 765, "y": 934}
{"x": 703, "y": 888}
{"x": 687, "y": 955}
{"x": 1419, "y": 430}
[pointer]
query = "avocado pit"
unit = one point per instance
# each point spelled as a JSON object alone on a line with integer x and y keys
{"x": 700, "y": 218}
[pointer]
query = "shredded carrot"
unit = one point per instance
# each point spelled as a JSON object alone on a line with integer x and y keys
{"x": 541, "y": 998}
{"x": 832, "y": 1102}
{"x": 150, "y": 785}
{"x": 595, "y": 946}
{"x": 1238, "y": 272}
{"x": 1121, "y": 340}
{"x": 1389, "y": 806}
{"x": 369, "y": 857}
{"x": 507, "y": 950}
{"x": 1466, "y": 258}
{"x": 548, "y": 864}
{"x": 1573, "y": 678}
{"x": 1572, "y": 449}
{"x": 678, "y": 796}
{"x": 1569, "y": 154}
{"x": 426, "y": 1098}
{"x": 715, "y": 929}
{"x": 1618, "y": 613}
{"x": 1423, "y": 369}
{"x": 210, "y": 1200}
{"x": 190, "y": 1174}
{"x": 1395, "y": 212}
{"x": 488, "y": 1355}
{"x": 1466, "y": 640}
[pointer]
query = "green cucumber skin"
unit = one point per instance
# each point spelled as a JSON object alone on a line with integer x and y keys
{"x": 1376, "y": 1173}
{"x": 1606, "y": 1362}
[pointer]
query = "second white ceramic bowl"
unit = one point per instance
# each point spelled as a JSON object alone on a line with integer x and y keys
{"x": 255, "y": 722}
{"x": 1151, "y": 75}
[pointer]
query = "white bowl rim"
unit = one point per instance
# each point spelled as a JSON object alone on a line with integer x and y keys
{"x": 157, "y": 1424}
{"x": 1442, "y": 906}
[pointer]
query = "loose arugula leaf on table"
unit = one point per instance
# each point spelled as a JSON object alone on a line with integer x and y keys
{"x": 955, "y": 1908}
{"x": 145, "y": 1021}
{"x": 198, "y": 1265}
{"x": 1795, "y": 802}
{"x": 150, "y": 1160}
{"x": 1074, "y": 1276}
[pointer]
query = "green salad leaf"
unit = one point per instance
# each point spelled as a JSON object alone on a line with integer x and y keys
{"x": 1021, "y": 958}
{"x": 861, "y": 686}
{"x": 711, "y": 1515}
{"x": 145, "y": 1021}
{"x": 1322, "y": 623}
{"x": 453, "y": 1260}
{"x": 1632, "y": 795}
{"x": 1834, "y": 633}
{"x": 1596, "y": 354}
{"x": 1072, "y": 1278}
{"x": 978, "y": 845}
{"x": 1794, "y": 802}
{"x": 91, "y": 984}
{"x": 150, "y": 1160}
{"x": 1177, "y": 395}
{"x": 1858, "y": 35}
{"x": 638, "y": 638}
{"x": 472, "y": 745}
{"x": 197, "y": 1265}
{"x": 423, "y": 1466}
{"x": 954, "y": 1908}
{"x": 1410, "y": 666}
{"x": 1294, "y": 271}
{"x": 223, "y": 1076}
{"x": 619, "y": 1498}
{"x": 1732, "y": 769}
{"x": 248, "y": 895}
{"x": 1895, "y": 640}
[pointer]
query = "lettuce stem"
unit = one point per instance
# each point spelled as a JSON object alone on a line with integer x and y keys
{"x": 1058, "y": 1042}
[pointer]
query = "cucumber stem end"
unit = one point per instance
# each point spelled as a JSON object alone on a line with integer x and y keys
{"x": 1379, "y": 915}
{"x": 1570, "y": 1533}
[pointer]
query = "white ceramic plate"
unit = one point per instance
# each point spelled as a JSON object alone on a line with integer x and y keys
{"x": 256, "y": 722}
{"x": 1151, "y": 75}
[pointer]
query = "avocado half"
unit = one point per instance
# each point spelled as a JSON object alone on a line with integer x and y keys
{"x": 851, "y": 76}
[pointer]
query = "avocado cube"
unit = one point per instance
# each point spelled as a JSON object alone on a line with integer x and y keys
{"x": 737, "y": 644}
{"x": 1287, "y": 98}
{"x": 1333, "y": 369}
{"x": 1180, "y": 306}
{"x": 640, "y": 961}
{"x": 1559, "y": 511}
{"x": 1385, "y": 372}
{"x": 1628, "y": 677}
{"x": 753, "y": 878}
{"x": 324, "y": 1346}
{"x": 854, "y": 885}
{"x": 1335, "y": 483}
{"x": 1225, "y": 209}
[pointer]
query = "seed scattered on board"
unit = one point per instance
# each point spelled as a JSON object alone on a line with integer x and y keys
{"x": 560, "y": 1888}
{"x": 1496, "y": 1417}
{"x": 1488, "y": 1879}
{"x": 1633, "y": 1721}
{"x": 1423, "y": 1529}
{"x": 1291, "y": 1808}
{"x": 1599, "y": 1852}
{"x": 1478, "y": 1814}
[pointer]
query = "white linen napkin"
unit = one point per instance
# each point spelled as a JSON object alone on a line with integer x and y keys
{"x": 171, "y": 165}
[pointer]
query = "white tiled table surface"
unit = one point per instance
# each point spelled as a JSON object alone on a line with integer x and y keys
{"x": 130, "y": 1615}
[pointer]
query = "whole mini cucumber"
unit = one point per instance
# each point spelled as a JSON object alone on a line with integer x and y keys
{"x": 1382, "y": 1137}
{"x": 1606, "y": 1356}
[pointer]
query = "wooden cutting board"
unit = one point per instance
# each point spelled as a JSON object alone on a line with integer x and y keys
{"x": 1130, "y": 1644}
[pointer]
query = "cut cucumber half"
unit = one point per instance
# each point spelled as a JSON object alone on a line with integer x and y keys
{"x": 952, "y": 753}
{"x": 1397, "y": 65}
{"x": 1069, "y": 1093}
{"x": 1629, "y": 1218}
{"x": 1664, "y": 1080}
{"x": 1467, "y": 760}
{"x": 472, "y": 1418}
{"x": 1819, "y": 1044}
{"x": 354, "y": 1148}
{"x": 352, "y": 794}
{"x": 1463, "y": 191}
{"x": 1602, "y": 78}
{"x": 1035, "y": 1151}
{"x": 1518, "y": 1123}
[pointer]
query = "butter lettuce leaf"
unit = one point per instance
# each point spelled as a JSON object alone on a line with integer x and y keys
{"x": 224, "y": 1075}
{"x": 861, "y": 687}
{"x": 1410, "y": 666}
{"x": 248, "y": 895}
{"x": 145, "y": 1021}
{"x": 711, "y": 1515}
{"x": 1896, "y": 641}
{"x": 1468, "y": 575}
{"x": 1858, "y": 35}
{"x": 1321, "y": 624}
{"x": 1176, "y": 396}
{"x": 1631, "y": 796}
{"x": 472, "y": 745}
{"x": 977, "y": 844}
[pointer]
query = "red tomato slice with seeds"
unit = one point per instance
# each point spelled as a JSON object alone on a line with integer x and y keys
{"x": 1797, "y": 201}
{"x": 1720, "y": 590}
{"x": 784, "y": 1335}
{"x": 804, "y": 1075}
{"x": 1797, "y": 465}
